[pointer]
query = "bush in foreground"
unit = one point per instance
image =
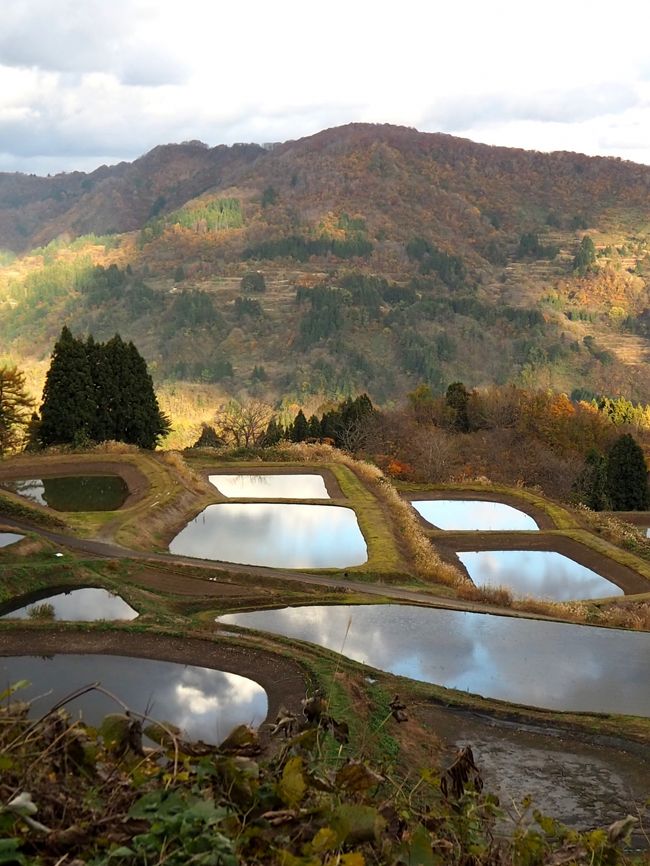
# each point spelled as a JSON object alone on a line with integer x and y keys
{"x": 100, "y": 797}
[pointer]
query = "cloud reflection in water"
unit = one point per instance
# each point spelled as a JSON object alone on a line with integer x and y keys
{"x": 271, "y": 486}
{"x": 536, "y": 573}
{"x": 277, "y": 535}
{"x": 206, "y": 704}
{"x": 543, "y": 664}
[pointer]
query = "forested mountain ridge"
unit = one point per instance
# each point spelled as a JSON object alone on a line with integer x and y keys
{"x": 35, "y": 210}
{"x": 439, "y": 178}
{"x": 363, "y": 258}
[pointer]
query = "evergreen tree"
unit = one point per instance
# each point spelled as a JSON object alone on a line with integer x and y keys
{"x": 300, "y": 428}
{"x": 274, "y": 432}
{"x": 314, "y": 427}
{"x": 585, "y": 258}
{"x": 143, "y": 422}
{"x": 68, "y": 407}
{"x": 209, "y": 438}
{"x": 330, "y": 425}
{"x": 591, "y": 484}
{"x": 102, "y": 428}
{"x": 457, "y": 398}
{"x": 99, "y": 391}
{"x": 627, "y": 475}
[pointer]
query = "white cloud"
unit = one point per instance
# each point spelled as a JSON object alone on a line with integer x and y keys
{"x": 91, "y": 79}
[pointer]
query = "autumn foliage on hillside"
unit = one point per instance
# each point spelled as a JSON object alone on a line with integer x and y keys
{"x": 386, "y": 253}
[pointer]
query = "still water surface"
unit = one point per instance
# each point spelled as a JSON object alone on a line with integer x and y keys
{"x": 459, "y": 514}
{"x": 278, "y": 535}
{"x": 7, "y": 538}
{"x": 79, "y": 605}
{"x": 542, "y": 664}
{"x": 73, "y": 492}
{"x": 206, "y": 704}
{"x": 271, "y": 486}
{"x": 536, "y": 573}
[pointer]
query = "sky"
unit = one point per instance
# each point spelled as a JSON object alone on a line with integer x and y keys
{"x": 91, "y": 82}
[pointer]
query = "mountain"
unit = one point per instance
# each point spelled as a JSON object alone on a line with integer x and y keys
{"x": 387, "y": 257}
{"x": 35, "y": 210}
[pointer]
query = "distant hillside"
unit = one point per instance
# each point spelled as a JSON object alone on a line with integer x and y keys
{"x": 36, "y": 210}
{"x": 390, "y": 257}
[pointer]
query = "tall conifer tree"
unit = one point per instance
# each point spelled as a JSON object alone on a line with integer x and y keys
{"x": 300, "y": 429}
{"x": 68, "y": 407}
{"x": 100, "y": 391}
{"x": 146, "y": 423}
{"x": 627, "y": 475}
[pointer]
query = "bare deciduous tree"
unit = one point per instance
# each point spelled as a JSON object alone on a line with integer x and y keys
{"x": 243, "y": 424}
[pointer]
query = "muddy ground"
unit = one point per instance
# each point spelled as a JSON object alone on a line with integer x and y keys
{"x": 580, "y": 783}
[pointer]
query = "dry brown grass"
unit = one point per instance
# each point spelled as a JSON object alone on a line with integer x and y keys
{"x": 633, "y": 615}
{"x": 426, "y": 561}
{"x": 494, "y": 595}
{"x": 618, "y": 531}
{"x": 113, "y": 447}
{"x": 175, "y": 460}
{"x": 574, "y": 611}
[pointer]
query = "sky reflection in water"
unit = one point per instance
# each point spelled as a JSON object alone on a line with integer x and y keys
{"x": 206, "y": 704}
{"x": 542, "y": 664}
{"x": 7, "y": 538}
{"x": 536, "y": 573}
{"x": 460, "y": 514}
{"x": 80, "y": 605}
{"x": 271, "y": 486}
{"x": 277, "y": 535}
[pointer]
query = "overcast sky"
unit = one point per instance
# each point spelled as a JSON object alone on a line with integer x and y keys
{"x": 86, "y": 82}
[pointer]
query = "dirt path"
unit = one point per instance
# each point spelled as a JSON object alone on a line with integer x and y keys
{"x": 175, "y": 584}
{"x": 581, "y": 783}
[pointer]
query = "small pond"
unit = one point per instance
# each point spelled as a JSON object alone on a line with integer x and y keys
{"x": 73, "y": 492}
{"x": 206, "y": 704}
{"x": 543, "y": 664}
{"x": 536, "y": 573}
{"x": 277, "y": 535}
{"x": 271, "y": 486}
{"x": 75, "y": 605}
{"x": 7, "y": 538}
{"x": 461, "y": 514}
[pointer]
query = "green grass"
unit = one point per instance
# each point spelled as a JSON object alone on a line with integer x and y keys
{"x": 383, "y": 555}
